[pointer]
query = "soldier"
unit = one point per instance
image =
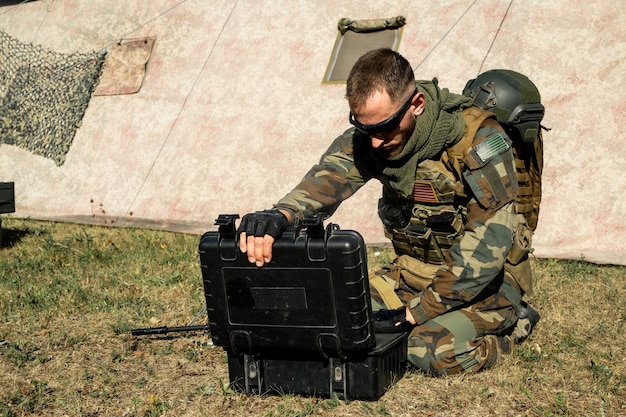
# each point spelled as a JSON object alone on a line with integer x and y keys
{"x": 448, "y": 205}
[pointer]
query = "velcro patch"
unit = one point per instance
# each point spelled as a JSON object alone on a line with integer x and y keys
{"x": 490, "y": 147}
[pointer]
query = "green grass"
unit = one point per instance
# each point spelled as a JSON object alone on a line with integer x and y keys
{"x": 70, "y": 294}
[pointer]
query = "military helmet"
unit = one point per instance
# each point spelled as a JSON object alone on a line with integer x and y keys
{"x": 512, "y": 97}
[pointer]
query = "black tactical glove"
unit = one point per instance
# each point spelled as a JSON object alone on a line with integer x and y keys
{"x": 391, "y": 321}
{"x": 261, "y": 223}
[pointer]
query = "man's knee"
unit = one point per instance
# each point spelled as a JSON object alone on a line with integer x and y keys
{"x": 420, "y": 355}
{"x": 440, "y": 359}
{"x": 434, "y": 357}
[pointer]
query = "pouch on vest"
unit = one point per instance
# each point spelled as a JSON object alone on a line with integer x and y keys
{"x": 416, "y": 274}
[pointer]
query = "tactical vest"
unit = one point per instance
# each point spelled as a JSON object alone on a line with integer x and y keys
{"x": 427, "y": 224}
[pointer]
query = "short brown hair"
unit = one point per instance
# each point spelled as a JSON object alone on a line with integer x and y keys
{"x": 378, "y": 70}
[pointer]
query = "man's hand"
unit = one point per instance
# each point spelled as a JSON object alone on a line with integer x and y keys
{"x": 258, "y": 231}
{"x": 392, "y": 321}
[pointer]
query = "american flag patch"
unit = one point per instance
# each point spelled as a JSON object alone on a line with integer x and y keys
{"x": 424, "y": 191}
{"x": 490, "y": 147}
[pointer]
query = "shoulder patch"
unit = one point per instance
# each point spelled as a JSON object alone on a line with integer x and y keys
{"x": 493, "y": 182}
{"x": 492, "y": 146}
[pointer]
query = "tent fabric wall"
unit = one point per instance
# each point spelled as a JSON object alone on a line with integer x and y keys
{"x": 232, "y": 110}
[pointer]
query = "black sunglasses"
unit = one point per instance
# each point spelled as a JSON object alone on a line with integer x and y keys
{"x": 385, "y": 126}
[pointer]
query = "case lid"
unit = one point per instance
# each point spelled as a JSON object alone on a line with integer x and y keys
{"x": 313, "y": 295}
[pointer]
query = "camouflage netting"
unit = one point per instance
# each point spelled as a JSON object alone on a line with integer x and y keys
{"x": 43, "y": 96}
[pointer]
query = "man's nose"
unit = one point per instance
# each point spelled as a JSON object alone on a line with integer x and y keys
{"x": 377, "y": 141}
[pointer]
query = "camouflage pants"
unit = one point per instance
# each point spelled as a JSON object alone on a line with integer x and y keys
{"x": 464, "y": 340}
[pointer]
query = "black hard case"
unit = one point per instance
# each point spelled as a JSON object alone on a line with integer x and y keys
{"x": 7, "y": 197}
{"x": 362, "y": 376}
{"x": 302, "y": 323}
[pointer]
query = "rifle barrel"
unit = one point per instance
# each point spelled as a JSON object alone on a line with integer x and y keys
{"x": 166, "y": 330}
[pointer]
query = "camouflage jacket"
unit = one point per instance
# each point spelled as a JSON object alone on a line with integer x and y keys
{"x": 473, "y": 262}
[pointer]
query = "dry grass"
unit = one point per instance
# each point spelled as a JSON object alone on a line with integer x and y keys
{"x": 69, "y": 294}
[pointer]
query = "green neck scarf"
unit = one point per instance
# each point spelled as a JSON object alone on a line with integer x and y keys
{"x": 440, "y": 126}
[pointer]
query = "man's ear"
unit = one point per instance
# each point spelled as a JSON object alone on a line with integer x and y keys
{"x": 418, "y": 101}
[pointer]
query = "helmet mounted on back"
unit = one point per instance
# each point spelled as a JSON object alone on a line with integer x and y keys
{"x": 513, "y": 98}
